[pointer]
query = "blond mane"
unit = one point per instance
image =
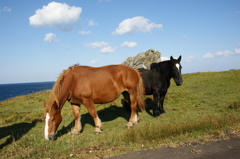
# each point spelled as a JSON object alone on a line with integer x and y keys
{"x": 56, "y": 90}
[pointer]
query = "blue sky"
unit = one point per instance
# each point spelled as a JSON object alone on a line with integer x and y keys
{"x": 40, "y": 38}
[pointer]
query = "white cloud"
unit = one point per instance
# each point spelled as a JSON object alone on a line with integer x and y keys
{"x": 186, "y": 60}
{"x": 237, "y": 51}
{"x": 94, "y": 61}
{"x": 55, "y": 14}
{"x": 129, "y": 44}
{"x": 165, "y": 58}
{"x": 6, "y": 9}
{"x": 208, "y": 55}
{"x": 97, "y": 44}
{"x": 136, "y": 24}
{"x": 222, "y": 53}
{"x": 50, "y": 37}
{"x": 104, "y": 47}
{"x": 91, "y": 23}
{"x": 84, "y": 32}
{"x": 107, "y": 49}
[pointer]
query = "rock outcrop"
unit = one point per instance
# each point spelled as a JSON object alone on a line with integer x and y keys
{"x": 143, "y": 60}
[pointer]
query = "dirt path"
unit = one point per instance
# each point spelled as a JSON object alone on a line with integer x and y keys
{"x": 224, "y": 149}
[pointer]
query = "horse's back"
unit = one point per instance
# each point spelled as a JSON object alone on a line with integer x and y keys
{"x": 104, "y": 72}
{"x": 102, "y": 84}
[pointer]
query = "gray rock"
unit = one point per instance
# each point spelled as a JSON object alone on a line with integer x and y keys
{"x": 143, "y": 60}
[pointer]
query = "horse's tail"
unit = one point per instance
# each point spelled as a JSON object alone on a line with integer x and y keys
{"x": 140, "y": 93}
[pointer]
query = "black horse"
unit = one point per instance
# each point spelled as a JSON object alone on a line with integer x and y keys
{"x": 157, "y": 80}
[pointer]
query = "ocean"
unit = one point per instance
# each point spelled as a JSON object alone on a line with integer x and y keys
{"x": 13, "y": 90}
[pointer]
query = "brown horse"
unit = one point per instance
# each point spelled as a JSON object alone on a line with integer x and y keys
{"x": 88, "y": 86}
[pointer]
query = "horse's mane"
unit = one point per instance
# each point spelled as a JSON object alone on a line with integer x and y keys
{"x": 161, "y": 66}
{"x": 56, "y": 90}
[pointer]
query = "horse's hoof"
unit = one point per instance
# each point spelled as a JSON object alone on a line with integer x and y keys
{"x": 75, "y": 132}
{"x": 95, "y": 132}
{"x": 156, "y": 115}
{"x": 129, "y": 125}
{"x": 163, "y": 112}
{"x": 98, "y": 131}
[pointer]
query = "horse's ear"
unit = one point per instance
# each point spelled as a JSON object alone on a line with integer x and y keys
{"x": 179, "y": 59}
{"x": 171, "y": 58}
{"x": 55, "y": 105}
{"x": 44, "y": 103}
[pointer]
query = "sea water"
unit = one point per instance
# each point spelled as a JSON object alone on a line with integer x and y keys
{"x": 13, "y": 90}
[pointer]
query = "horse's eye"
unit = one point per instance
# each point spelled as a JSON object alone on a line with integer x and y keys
{"x": 52, "y": 119}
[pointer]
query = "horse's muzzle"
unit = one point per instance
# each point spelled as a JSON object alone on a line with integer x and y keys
{"x": 51, "y": 137}
{"x": 179, "y": 83}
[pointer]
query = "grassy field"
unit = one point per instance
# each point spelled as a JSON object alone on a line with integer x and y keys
{"x": 205, "y": 107}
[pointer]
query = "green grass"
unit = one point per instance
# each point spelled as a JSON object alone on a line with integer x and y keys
{"x": 206, "y": 105}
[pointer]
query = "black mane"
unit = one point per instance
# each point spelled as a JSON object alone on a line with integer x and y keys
{"x": 162, "y": 67}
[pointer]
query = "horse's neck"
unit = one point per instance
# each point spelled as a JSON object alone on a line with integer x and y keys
{"x": 57, "y": 102}
{"x": 62, "y": 92}
{"x": 165, "y": 74}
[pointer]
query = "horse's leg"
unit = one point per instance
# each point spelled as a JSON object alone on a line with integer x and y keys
{"x": 156, "y": 112}
{"x": 134, "y": 115}
{"x": 92, "y": 111}
{"x": 127, "y": 101}
{"x": 77, "y": 115}
{"x": 162, "y": 111}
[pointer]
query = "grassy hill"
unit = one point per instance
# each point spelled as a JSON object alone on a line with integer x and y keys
{"x": 205, "y": 107}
